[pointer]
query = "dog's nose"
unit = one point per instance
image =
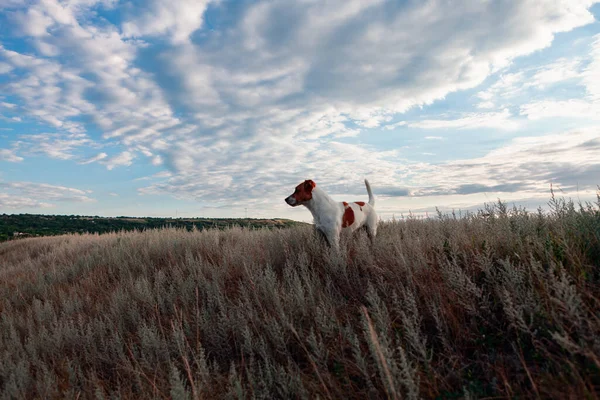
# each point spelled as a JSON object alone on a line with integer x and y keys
{"x": 290, "y": 200}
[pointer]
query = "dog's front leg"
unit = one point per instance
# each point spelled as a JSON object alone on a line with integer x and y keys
{"x": 323, "y": 236}
{"x": 331, "y": 237}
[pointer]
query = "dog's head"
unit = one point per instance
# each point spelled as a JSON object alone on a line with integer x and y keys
{"x": 302, "y": 194}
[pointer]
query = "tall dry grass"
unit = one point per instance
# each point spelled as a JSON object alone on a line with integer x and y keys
{"x": 504, "y": 303}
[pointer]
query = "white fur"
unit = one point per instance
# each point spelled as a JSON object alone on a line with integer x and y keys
{"x": 328, "y": 214}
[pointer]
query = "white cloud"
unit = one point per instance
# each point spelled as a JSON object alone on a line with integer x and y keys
{"x": 49, "y": 91}
{"x": 163, "y": 174}
{"x": 47, "y": 49}
{"x": 123, "y": 159}
{"x": 7, "y": 105}
{"x": 510, "y": 85}
{"x": 558, "y": 71}
{"x": 97, "y": 157}
{"x": 373, "y": 72}
{"x": 486, "y": 105}
{"x": 98, "y": 81}
{"x": 11, "y": 202}
{"x": 10, "y": 3}
{"x": 157, "y": 160}
{"x": 16, "y": 195}
{"x": 158, "y": 175}
{"x": 394, "y": 126}
{"x": 266, "y": 164}
{"x": 266, "y": 97}
{"x": 9, "y": 155}
{"x": 592, "y": 72}
{"x": 55, "y": 145}
{"x": 586, "y": 107}
{"x": 495, "y": 120}
{"x": 33, "y": 22}
{"x": 575, "y": 108}
{"x": 370, "y": 118}
{"x": 5, "y": 68}
{"x": 175, "y": 18}
{"x": 506, "y": 87}
{"x": 526, "y": 165}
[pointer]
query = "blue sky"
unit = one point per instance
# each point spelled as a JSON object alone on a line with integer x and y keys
{"x": 219, "y": 108}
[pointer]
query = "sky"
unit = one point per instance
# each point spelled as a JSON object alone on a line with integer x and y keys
{"x": 217, "y": 108}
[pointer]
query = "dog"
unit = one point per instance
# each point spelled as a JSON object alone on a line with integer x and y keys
{"x": 330, "y": 216}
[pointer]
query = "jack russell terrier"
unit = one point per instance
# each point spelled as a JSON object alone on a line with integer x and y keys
{"x": 331, "y": 216}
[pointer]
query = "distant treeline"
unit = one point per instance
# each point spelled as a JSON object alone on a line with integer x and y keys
{"x": 27, "y": 225}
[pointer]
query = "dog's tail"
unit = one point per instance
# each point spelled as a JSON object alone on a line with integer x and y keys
{"x": 371, "y": 197}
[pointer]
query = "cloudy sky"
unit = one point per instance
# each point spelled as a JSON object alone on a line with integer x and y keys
{"x": 220, "y": 108}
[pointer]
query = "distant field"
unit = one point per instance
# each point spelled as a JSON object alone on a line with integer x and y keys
{"x": 503, "y": 304}
{"x": 17, "y": 226}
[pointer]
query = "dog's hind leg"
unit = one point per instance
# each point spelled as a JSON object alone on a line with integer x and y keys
{"x": 371, "y": 228}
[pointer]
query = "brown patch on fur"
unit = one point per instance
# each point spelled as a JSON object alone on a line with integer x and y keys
{"x": 303, "y": 191}
{"x": 361, "y": 204}
{"x": 348, "y": 217}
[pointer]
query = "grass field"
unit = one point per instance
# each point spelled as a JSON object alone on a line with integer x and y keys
{"x": 502, "y": 304}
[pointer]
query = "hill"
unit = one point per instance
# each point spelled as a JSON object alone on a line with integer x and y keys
{"x": 27, "y": 225}
{"x": 503, "y": 304}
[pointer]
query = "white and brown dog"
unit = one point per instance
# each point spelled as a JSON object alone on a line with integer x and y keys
{"x": 331, "y": 216}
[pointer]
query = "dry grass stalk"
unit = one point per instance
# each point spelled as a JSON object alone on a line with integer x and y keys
{"x": 502, "y": 303}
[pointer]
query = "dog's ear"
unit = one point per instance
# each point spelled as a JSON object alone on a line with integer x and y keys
{"x": 309, "y": 185}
